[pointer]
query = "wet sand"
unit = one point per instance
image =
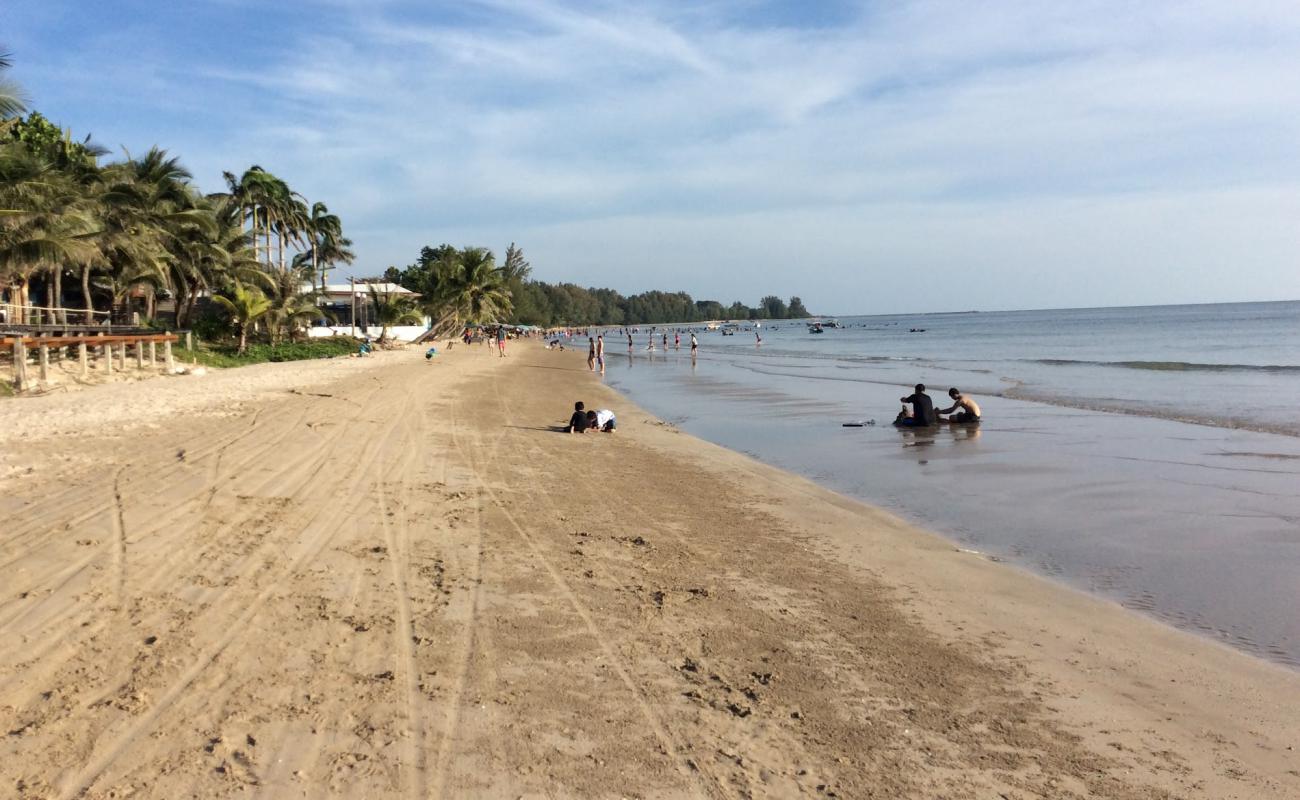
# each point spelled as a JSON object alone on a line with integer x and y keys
{"x": 1198, "y": 526}
{"x": 399, "y": 581}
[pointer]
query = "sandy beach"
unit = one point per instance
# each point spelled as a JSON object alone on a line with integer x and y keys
{"x": 391, "y": 578}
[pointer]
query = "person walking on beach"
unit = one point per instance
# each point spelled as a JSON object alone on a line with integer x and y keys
{"x": 665, "y": 341}
{"x": 695, "y": 343}
{"x": 677, "y": 340}
{"x": 591, "y": 354}
{"x": 600, "y": 352}
{"x": 970, "y": 410}
{"x": 501, "y": 341}
{"x": 629, "y": 342}
{"x": 922, "y": 408}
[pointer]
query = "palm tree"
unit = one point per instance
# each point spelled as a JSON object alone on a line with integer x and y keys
{"x": 204, "y": 260}
{"x": 328, "y": 246}
{"x": 13, "y": 101}
{"x": 43, "y": 222}
{"x": 150, "y": 208}
{"x": 265, "y": 199}
{"x": 245, "y": 306}
{"x": 293, "y": 302}
{"x": 392, "y": 309}
{"x": 470, "y": 289}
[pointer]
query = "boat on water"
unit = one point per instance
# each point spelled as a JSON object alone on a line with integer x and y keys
{"x": 815, "y": 327}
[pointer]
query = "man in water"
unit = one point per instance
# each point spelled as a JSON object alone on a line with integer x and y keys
{"x": 970, "y": 410}
{"x": 922, "y": 408}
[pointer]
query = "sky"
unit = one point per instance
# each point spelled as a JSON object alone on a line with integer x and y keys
{"x": 870, "y": 157}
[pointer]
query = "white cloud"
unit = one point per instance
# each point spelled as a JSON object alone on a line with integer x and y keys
{"x": 716, "y": 150}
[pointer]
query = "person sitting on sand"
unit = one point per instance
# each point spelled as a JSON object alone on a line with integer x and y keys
{"x": 922, "y": 408}
{"x": 904, "y": 415}
{"x": 970, "y": 410}
{"x": 602, "y": 420}
{"x": 578, "y": 422}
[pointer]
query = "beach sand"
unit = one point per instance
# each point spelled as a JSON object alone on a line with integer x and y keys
{"x": 392, "y": 578}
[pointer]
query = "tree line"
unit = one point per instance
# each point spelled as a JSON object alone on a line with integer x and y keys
{"x": 516, "y": 297}
{"x": 77, "y": 232}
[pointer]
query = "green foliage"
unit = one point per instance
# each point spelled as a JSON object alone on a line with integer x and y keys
{"x": 229, "y": 356}
{"x": 43, "y": 138}
{"x": 211, "y": 326}
{"x": 773, "y": 307}
{"x": 392, "y": 309}
{"x": 13, "y": 101}
{"x": 440, "y": 276}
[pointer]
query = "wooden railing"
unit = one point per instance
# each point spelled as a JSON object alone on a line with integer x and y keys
{"x": 107, "y": 348}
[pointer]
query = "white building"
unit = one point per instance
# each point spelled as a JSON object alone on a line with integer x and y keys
{"x": 353, "y": 312}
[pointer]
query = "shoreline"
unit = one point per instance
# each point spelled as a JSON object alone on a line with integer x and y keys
{"x": 698, "y": 623}
{"x": 1188, "y": 524}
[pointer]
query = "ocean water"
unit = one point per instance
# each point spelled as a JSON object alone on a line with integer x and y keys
{"x": 1149, "y": 455}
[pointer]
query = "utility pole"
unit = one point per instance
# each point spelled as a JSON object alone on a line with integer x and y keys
{"x": 352, "y": 285}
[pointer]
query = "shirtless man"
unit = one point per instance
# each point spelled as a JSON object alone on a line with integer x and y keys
{"x": 970, "y": 410}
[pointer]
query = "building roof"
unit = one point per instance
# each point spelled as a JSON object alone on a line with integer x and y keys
{"x": 364, "y": 288}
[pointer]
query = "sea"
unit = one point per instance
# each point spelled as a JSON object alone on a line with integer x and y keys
{"x": 1149, "y": 455}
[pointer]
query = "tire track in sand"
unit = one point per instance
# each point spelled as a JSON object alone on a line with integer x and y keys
{"x": 471, "y": 637}
{"x": 337, "y": 509}
{"x": 667, "y": 744}
{"x": 397, "y": 537}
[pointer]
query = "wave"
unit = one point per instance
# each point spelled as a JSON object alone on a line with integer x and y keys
{"x": 1169, "y": 366}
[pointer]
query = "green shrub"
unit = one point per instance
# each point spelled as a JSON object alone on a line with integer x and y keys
{"x": 226, "y": 355}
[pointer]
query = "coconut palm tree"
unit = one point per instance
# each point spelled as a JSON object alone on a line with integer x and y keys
{"x": 150, "y": 207}
{"x": 13, "y": 101}
{"x": 293, "y": 302}
{"x": 392, "y": 308}
{"x": 204, "y": 260}
{"x": 245, "y": 305}
{"x": 327, "y": 245}
{"x": 470, "y": 290}
{"x": 43, "y": 222}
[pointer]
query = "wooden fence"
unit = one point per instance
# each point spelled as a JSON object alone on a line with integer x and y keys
{"x": 107, "y": 348}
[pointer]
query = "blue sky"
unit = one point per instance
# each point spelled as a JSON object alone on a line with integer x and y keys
{"x": 870, "y": 157}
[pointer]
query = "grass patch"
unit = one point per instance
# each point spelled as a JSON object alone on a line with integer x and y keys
{"x": 225, "y": 355}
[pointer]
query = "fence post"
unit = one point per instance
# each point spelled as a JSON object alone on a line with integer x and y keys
{"x": 43, "y": 351}
{"x": 20, "y": 364}
{"x": 81, "y": 356}
{"x": 107, "y": 353}
{"x": 167, "y": 355}
{"x": 153, "y": 353}
{"x": 139, "y": 354}
{"x": 189, "y": 341}
{"x": 121, "y": 352}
